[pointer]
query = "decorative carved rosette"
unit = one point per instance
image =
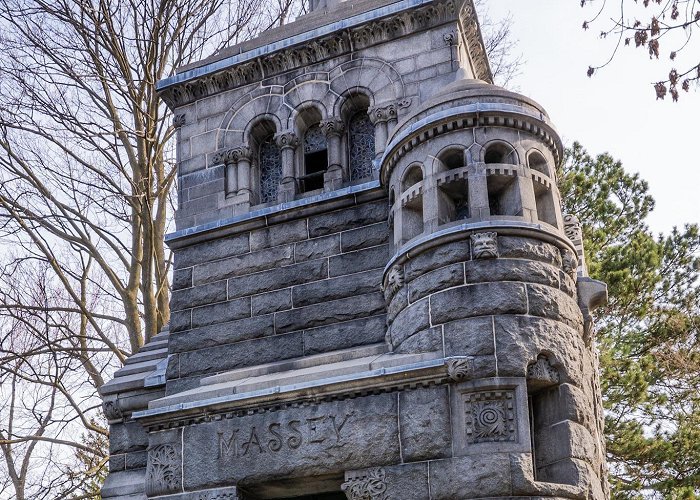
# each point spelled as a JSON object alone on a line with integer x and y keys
{"x": 394, "y": 282}
{"x": 490, "y": 416}
{"x": 459, "y": 369}
{"x": 369, "y": 484}
{"x": 542, "y": 374}
{"x": 484, "y": 245}
{"x": 163, "y": 470}
{"x": 332, "y": 126}
{"x": 287, "y": 139}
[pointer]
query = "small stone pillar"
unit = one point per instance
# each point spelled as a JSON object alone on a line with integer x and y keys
{"x": 378, "y": 117}
{"x": 287, "y": 142}
{"x": 478, "y": 192}
{"x": 333, "y": 128}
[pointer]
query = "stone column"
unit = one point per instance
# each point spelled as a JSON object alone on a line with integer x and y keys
{"x": 230, "y": 175}
{"x": 527, "y": 195}
{"x": 237, "y": 162}
{"x": 478, "y": 192}
{"x": 333, "y": 128}
{"x": 242, "y": 156}
{"x": 287, "y": 142}
{"x": 378, "y": 117}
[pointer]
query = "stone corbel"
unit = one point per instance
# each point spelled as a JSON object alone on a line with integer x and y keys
{"x": 592, "y": 294}
{"x": 112, "y": 410}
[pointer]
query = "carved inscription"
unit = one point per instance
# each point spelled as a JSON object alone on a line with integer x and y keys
{"x": 282, "y": 436}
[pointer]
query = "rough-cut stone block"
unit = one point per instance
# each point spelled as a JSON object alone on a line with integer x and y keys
{"x": 198, "y": 296}
{"x": 127, "y": 437}
{"x": 343, "y": 220}
{"x": 281, "y": 277}
{"x": 425, "y": 424}
{"x": 520, "y": 339}
{"x": 266, "y": 303}
{"x": 365, "y": 237}
{"x": 135, "y": 460}
{"x": 222, "y": 333}
{"x": 398, "y": 302}
{"x": 182, "y": 278}
{"x": 429, "y": 340}
{"x": 181, "y": 320}
{"x": 345, "y": 335}
{"x": 221, "y": 313}
{"x": 279, "y": 234}
{"x": 439, "y": 279}
{"x": 527, "y": 248}
{"x": 337, "y": 288}
{"x": 469, "y": 337}
{"x": 410, "y": 321}
{"x": 407, "y": 481}
{"x": 562, "y": 440}
{"x": 469, "y": 477}
{"x": 316, "y": 248}
{"x": 326, "y": 313}
{"x": 211, "y": 250}
{"x": 309, "y": 441}
{"x": 435, "y": 258}
{"x": 243, "y": 264}
{"x": 487, "y": 270}
{"x": 241, "y": 354}
{"x": 362, "y": 260}
{"x": 478, "y": 300}
{"x": 550, "y": 303}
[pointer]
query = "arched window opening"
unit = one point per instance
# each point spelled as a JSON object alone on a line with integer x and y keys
{"x": 536, "y": 161}
{"x": 411, "y": 204}
{"x": 544, "y": 202}
{"x": 453, "y": 194}
{"x": 315, "y": 159}
{"x": 270, "y": 161}
{"x": 545, "y": 411}
{"x": 361, "y": 148}
{"x": 504, "y": 195}
{"x": 500, "y": 153}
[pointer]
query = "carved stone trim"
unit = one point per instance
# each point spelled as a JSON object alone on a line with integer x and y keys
{"x": 469, "y": 25}
{"x": 287, "y": 139}
{"x": 490, "y": 416}
{"x": 450, "y": 38}
{"x": 179, "y": 120}
{"x": 459, "y": 369}
{"x": 332, "y": 126}
{"x": 368, "y": 484}
{"x": 542, "y": 374}
{"x": 112, "y": 410}
{"x": 163, "y": 470}
{"x": 381, "y": 114}
{"x": 232, "y": 156}
{"x": 484, "y": 245}
{"x": 394, "y": 282}
{"x": 333, "y": 45}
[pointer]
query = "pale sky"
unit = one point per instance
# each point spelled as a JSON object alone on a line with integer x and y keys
{"x": 616, "y": 110}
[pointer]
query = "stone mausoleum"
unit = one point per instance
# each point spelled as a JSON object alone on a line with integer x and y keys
{"x": 376, "y": 295}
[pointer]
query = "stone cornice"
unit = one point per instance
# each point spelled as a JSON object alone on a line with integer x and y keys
{"x": 343, "y": 37}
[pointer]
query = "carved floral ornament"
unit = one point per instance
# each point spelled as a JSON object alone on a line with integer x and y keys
{"x": 369, "y": 484}
{"x": 542, "y": 373}
{"x": 459, "y": 369}
{"x": 287, "y": 139}
{"x": 163, "y": 470}
{"x": 332, "y": 126}
{"x": 394, "y": 282}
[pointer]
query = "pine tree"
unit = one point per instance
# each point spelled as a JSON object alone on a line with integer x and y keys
{"x": 649, "y": 332}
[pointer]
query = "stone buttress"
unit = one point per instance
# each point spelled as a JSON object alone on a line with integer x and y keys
{"x": 376, "y": 295}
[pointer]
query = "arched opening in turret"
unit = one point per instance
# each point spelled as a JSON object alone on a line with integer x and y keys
{"x": 504, "y": 194}
{"x": 314, "y": 150}
{"x": 536, "y": 161}
{"x": 267, "y": 161}
{"x": 544, "y": 202}
{"x": 500, "y": 152}
{"x": 411, "y": 203}
{"x": 453, "y": 187}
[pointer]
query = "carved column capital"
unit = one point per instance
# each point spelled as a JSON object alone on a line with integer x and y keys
{"x": 287, "y": 139}
{"x": 382, "y": 114}
{"x": 332, "y": 126}
{"x": 233, "y": 155}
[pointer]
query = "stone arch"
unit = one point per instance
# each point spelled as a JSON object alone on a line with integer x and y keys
{"x": 301, "y": 93}
{"x": 243, "y": 114}
{"x": 443, "y": 160}
{"x": 370, "y": 75}
{"x": 500, "y": 151}
{"x": 536, "y": 160}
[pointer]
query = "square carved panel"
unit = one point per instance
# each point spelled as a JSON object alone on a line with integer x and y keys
{"x": 490, "y": 416}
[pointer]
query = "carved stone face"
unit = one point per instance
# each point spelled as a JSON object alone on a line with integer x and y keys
{"x": 484, "y": 245}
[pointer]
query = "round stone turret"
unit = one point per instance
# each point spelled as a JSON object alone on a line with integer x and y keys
{"x": 483, "y": 272}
